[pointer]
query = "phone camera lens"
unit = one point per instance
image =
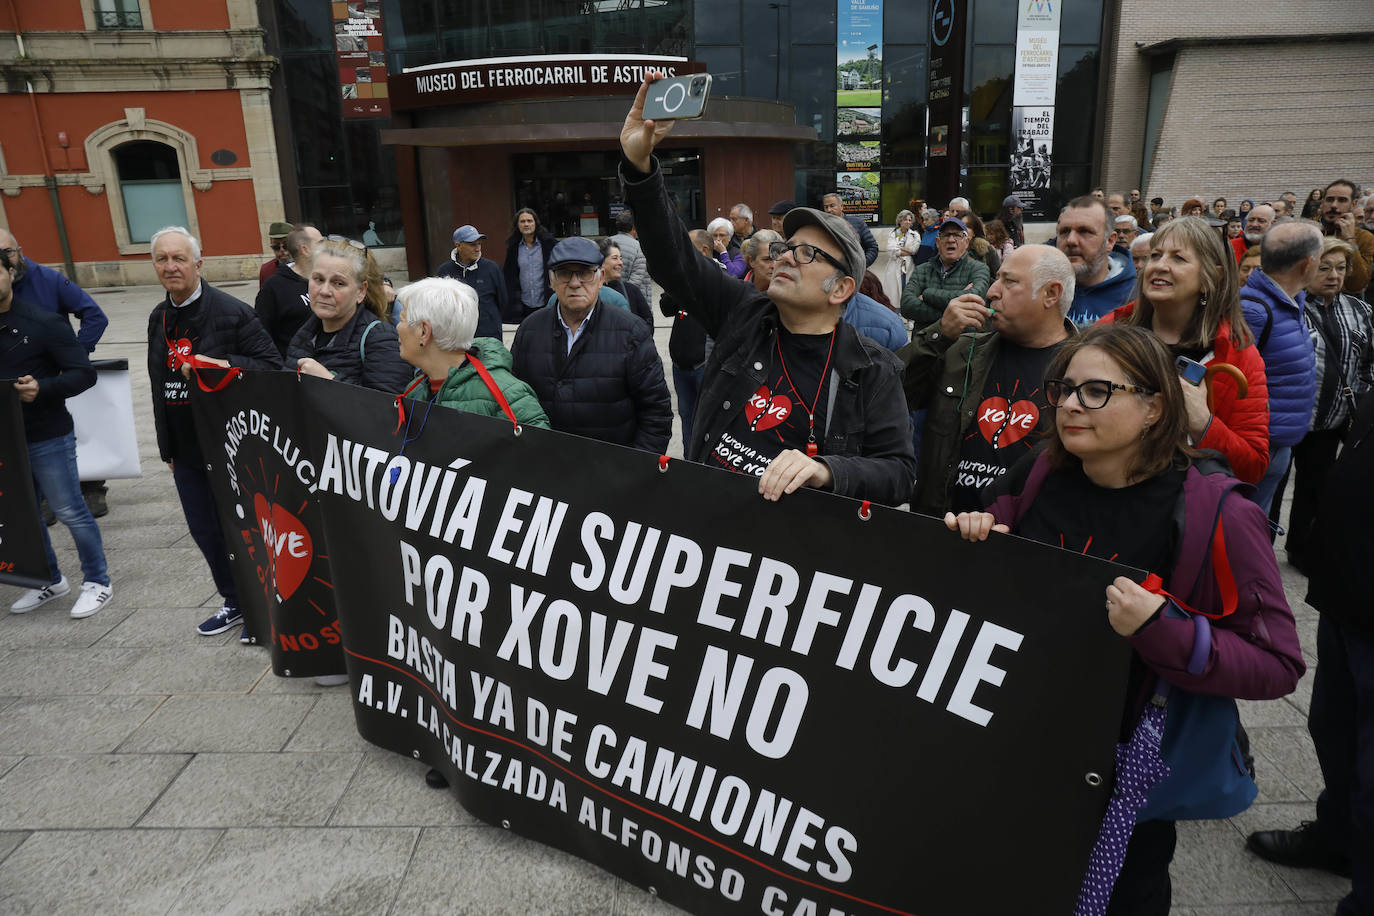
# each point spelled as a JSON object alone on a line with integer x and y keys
{"x": 697, "y": 85}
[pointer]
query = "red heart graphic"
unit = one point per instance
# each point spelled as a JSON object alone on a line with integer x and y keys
{"x": 1001, "y": 430}
{"x": 178, "y": 353}
{"x": 289, "y": 549}
{"x": 773, "y": 408}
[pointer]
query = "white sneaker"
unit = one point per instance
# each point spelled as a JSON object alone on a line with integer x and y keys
{"x": 93, "y": 597}
{"x": 36, "y": 597}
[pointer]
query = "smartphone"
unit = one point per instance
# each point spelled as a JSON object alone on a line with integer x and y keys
{"x": 1192, "y": 371}
{"x": 678, "y": 98}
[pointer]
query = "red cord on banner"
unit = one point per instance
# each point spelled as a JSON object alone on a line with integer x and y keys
{"x": 400, "y": 415}
{"x": 865, "y": 510}
{"x": 663, "y": 463}
{"x": 197, "y": 363}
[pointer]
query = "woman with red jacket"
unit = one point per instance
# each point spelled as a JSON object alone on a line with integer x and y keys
{"x": 1189, "y": 296}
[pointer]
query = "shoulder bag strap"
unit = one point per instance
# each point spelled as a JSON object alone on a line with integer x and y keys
{"x": 495, "y": 390}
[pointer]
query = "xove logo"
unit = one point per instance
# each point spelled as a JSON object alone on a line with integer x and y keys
{"x": 941, "y": 22}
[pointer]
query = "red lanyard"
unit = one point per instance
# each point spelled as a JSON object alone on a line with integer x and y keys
{"x": 811, "y": 448}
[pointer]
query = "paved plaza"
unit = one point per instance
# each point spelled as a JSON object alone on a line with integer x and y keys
{"x": 146, "y": 770}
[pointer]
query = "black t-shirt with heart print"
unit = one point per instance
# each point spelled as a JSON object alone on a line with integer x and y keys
{"x": 1010, "y": 416}
{"x": 181, "y": 332}
{"x": 775, "y": 417}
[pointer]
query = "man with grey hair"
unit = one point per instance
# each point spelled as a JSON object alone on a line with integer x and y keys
{"x": 1104, "y": 276}
{"x": 1273, "y": 299}
{"x": 197, "y": 326}
{"x": 831, "y": 203}
{"x": 742, "y": 222}
{"x": 978, "y": 371}
{"x": 1259, "y": 221}
{"x": 1126, "y": 229}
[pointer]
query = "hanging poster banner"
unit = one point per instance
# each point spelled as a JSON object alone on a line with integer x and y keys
{"x": 745, "y": 706}
{"x": 22, "y": 558}
{"x": 252, "y": 433}
{"x": 360, "y": 48}
{"x": 945, "y": 100}
{"x": 858, "y": 106}
{"x": 1032, "y": 116}
{"x": 1032, "y": 155}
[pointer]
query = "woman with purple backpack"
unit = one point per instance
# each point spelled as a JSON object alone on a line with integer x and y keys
{"x": 1118, "y": 480}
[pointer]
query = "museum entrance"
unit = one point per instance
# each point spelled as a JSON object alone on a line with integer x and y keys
{"x": 578, "y": 192}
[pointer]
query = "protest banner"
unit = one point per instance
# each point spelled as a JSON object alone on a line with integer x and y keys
{"x": 251, "y": 433}
{"x": 809, "y": 706}
{"x": 22, "y": 558}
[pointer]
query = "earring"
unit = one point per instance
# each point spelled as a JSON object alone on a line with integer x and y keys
{"x": 1202, "y": 301}
{"x": 1146, "y": 431}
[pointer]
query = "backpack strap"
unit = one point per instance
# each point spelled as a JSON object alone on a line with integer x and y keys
{"x": 1268, "y": 326}
{"x": 362, "y": 343}
{"x": 1200, "y": 545}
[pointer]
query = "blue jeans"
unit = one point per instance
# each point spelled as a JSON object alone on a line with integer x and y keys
{"x": 198, "y": 505}
{"x": 53, "y": 463}
{"x": 687, "y": 385}
{"x": 1341, "y": 722}
{"x": 1269, "y": 483}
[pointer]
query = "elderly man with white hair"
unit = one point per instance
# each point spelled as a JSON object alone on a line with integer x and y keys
{"x": 733, "y": 260}
{"x": 1126, "y": 229}
{"x": 438, "y": 321}
{"x": 196, "y": 325}
{"x": 979, "y": 371}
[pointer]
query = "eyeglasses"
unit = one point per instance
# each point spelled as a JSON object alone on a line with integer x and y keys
{"x": 583, "y": 274}
{"x": 347, "y": 241}
{"x": 9, "y": 253}
{"x": 278, "y": 246}
{"x": 1092, "y": 394}
{"x": 802, "y": 254}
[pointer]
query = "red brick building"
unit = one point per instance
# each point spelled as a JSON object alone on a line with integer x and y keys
{"x": 124, "y": 116}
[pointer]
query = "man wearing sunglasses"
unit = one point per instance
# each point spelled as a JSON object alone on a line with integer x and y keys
{"x": 979, "y": 370}
{"x": 276, "y": 238}
{"x": 593, "y": 366}
{"x": 791, "y": 393}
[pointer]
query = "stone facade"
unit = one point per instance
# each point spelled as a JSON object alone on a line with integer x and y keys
{"x": 1262, "y": 100}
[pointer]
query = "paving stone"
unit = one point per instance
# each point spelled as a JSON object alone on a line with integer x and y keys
{"x": 282, "y": 870}
{"x": 1307, "y": 638}
{"x": 106, "y": 790}
{"x": 1211, "y": 867}
{"x": 9, "y": 763}
{"x": 1256, "y": 909}
{"x": 51, "y": 626}
{"x": 102, "y": 871}
{"x": 61, "y": 672}
{"x": 198, "y": 669}
{"x": 271, "y": 683}
{"x": 1260, "y": 713}
{"x": 1309, "y": 884}
{"x": 1301, "y": 697}
{"x": 124, "y": 538}
{"x": 254, "y": 790}
{"x": 330, "y": 725}
{"x": 390, "y": 789}
{"x": 171, "y": 577}
{"x": 475, "y": 869}
{"x": 72, "y": 725}
{"x": 161, "y": 627}
{"x": 201, "y": 724}
{"x": 9, "y": 841}
{"x": 1291, "y": 751}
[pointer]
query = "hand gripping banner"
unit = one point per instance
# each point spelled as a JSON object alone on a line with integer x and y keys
{"x": 807, "y": 706}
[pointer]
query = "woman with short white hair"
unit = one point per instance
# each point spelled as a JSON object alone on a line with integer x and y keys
{"x": 720, "y": 230}
{"x": 458, "y": 370}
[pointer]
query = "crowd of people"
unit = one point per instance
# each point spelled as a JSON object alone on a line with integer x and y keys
{"x": 1126, "y": 391}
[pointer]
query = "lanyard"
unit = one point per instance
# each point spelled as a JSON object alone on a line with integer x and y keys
{"x": 811, "y": 448}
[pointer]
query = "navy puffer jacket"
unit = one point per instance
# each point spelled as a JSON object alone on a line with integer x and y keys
{"x": 1290, "y": 364}
{"x": 374, "y": 362}
{"x": 609, "y": 387}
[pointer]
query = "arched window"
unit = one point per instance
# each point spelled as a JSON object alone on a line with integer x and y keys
{"x": 150, "y": 186}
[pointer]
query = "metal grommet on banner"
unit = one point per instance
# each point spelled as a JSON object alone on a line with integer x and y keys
{"x": 505, "y": 823}
{"x": 415, "y": 754}
{"x": 209, "y": 467}
{"x": 519, "y": 429}
{"x": 286, "y": 672}
{"x": 1093, "y": 779}
{"x": 865, "y": 510}
{"x": 663, "y": 464}
{"x": 231, "y": 556}
{"x": 653, "y": 890}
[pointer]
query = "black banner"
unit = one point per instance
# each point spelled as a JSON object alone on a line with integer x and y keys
{"x": 251, "y": 434}
{"x": 743, "y": 706}
{"x": 22, "y": 559}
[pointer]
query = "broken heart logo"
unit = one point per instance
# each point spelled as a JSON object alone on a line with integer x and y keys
{"x": 178, "y": 353}
{"x": 289, "y": 548}
{"x": 1004, "y": 424}
{"x": 766, "y": 410}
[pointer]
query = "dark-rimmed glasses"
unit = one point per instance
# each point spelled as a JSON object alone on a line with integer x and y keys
{"x": 583, "y": 274}
{"x": 802, "y": 254}
{"x": 1092, "y": 394}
